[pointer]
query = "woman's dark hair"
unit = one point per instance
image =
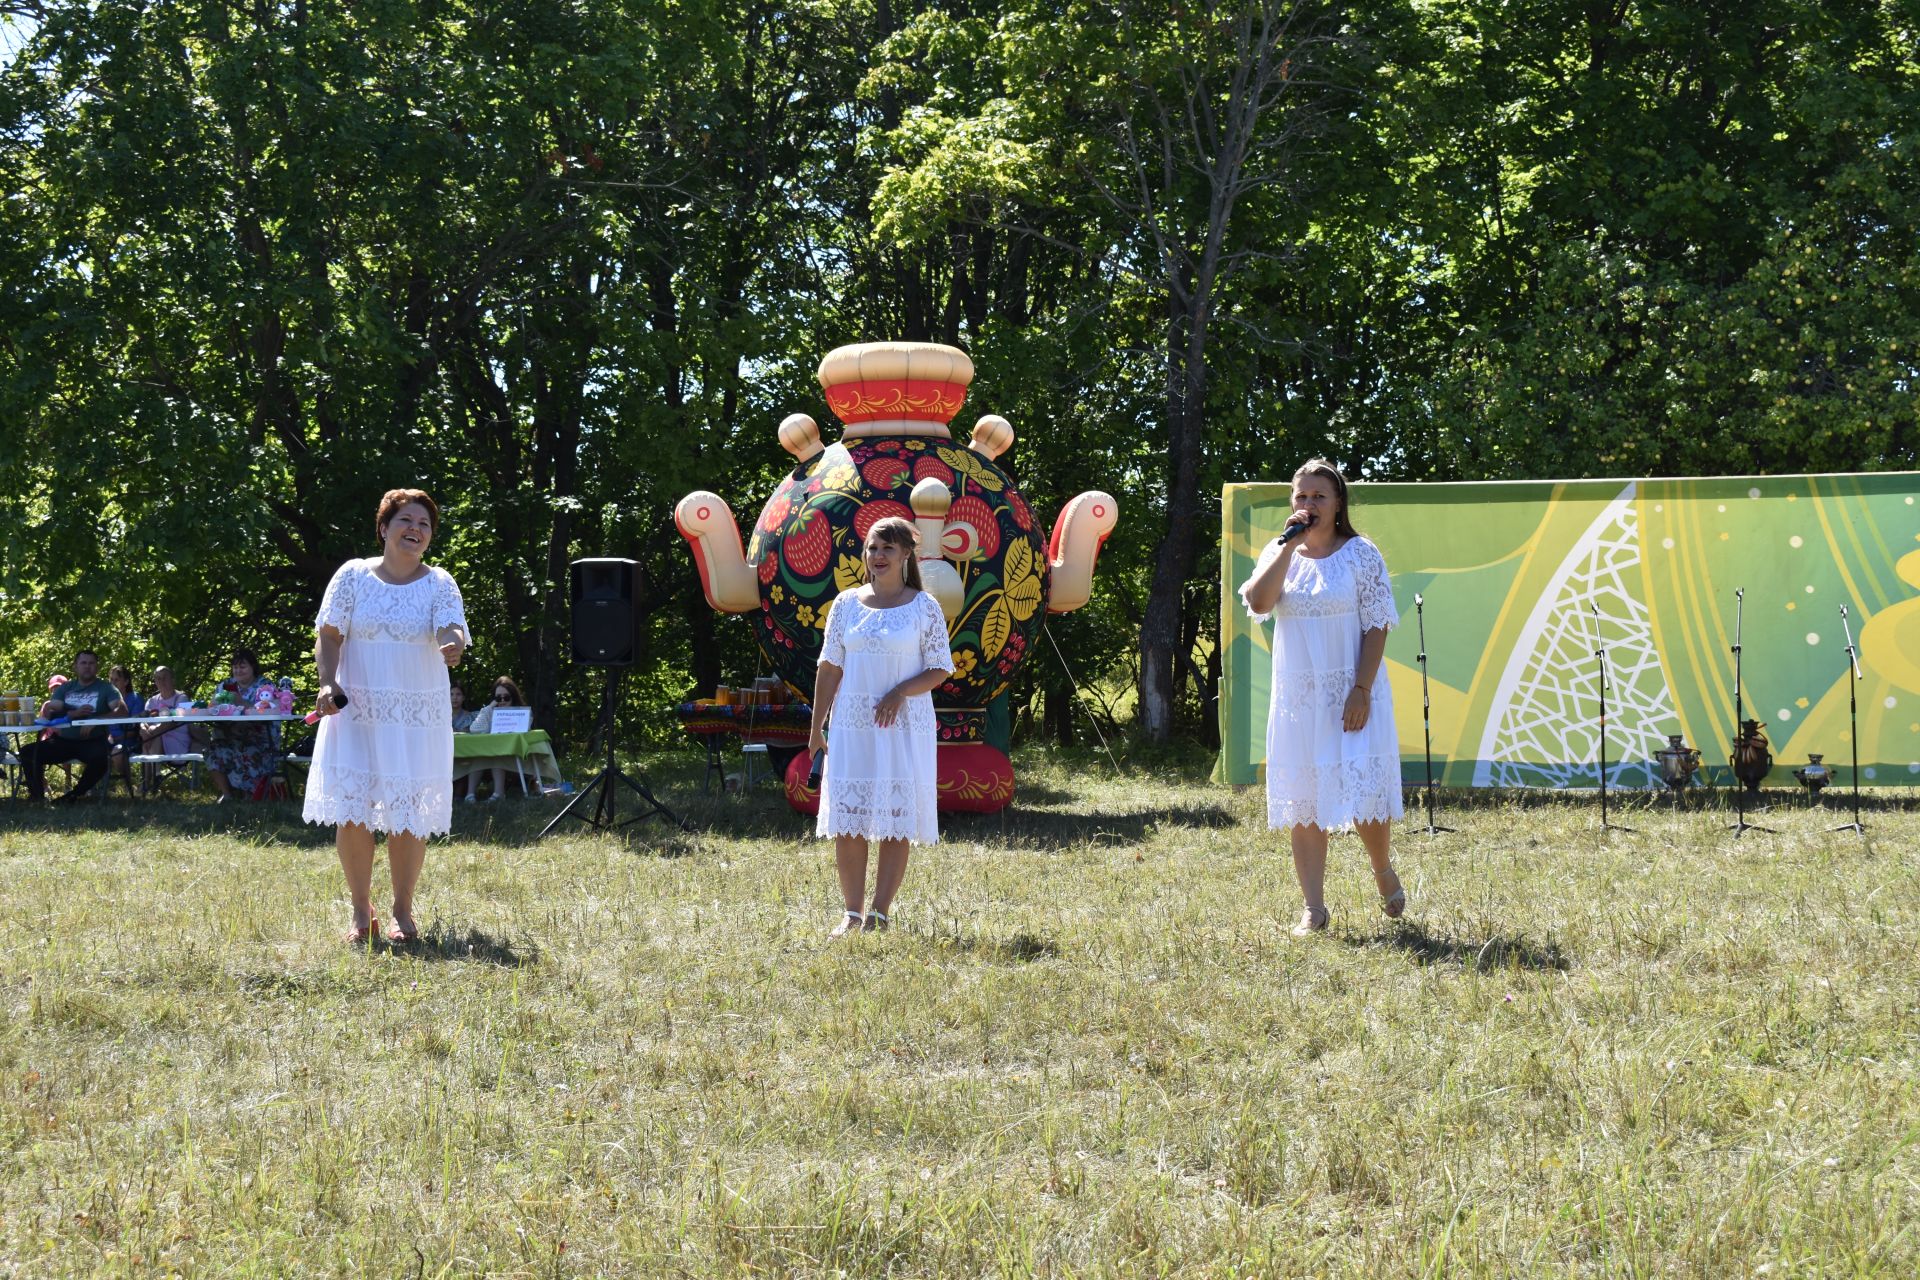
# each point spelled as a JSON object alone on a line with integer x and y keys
{"x": 117, "y": 670}
{"x": 394, "y": 499}
{"x": 898, "y": 531}
{"x": 461, "y": 685}
{"x": 1342, "y": 522}
{"x": 247, "y": 656}
{"x": 512, "y": 688}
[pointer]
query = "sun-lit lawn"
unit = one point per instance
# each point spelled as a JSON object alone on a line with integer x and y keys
{"x": 1090, "y": 1047}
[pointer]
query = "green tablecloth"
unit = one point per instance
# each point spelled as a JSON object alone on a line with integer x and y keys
{"x": 474, "y": 752}
{"x": 501, "y": 744}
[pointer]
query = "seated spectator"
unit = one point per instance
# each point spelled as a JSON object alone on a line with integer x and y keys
{"x": 85, "y": 697}
{"x": 241, "y": 756}
{"x": 125, "y": 738}
{"x": 462, "y": 718}
{"x": 505, "y": 694}
{"x": 156, "y": 738}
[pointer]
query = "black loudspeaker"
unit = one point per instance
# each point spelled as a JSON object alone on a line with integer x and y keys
{"x": 604, "y": 619}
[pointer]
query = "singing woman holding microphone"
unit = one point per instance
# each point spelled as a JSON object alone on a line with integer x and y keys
{"x": 1333, "y": 756}
{"x": 884, "y": 654}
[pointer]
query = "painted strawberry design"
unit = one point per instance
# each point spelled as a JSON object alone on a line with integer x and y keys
{"x": 769, "y": 565}
{"x": 874, "y": 512}
{"x": 886, "y": 473}
{"x": 1022, "y": 513}
{"x": 930, "y": 467}
{"x": 969, "y": 510}
{"x": 808, "y": 545}
{"x": 777, "y": 508}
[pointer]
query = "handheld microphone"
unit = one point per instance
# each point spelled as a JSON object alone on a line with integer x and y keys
{"x": 813, "y": 770}
{"x": 339, "y": 700}
{"x": 1295, "y": 530}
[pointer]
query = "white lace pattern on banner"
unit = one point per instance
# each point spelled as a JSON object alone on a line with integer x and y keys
{"x": 1542, "y": 730}
{"x": 882, "y": 809}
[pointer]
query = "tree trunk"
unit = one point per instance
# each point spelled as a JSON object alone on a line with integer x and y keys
{"x": 1186, "y": 398}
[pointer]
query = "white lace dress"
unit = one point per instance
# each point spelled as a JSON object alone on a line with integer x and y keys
{"x": 1318, "y": 774}
{"x": 386, "y": 760}
{"x": 882, "y": 783}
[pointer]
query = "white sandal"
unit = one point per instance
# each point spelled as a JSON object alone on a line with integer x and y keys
{"x": 1394, "y": 905}
{"x": 877, "y": 922}
{"x": 1312, "y": 920}
{"x": 852, "y": 922}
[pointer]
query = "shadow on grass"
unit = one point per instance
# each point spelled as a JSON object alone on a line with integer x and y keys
{"x": 441, "y": 944}
{"x": 1019, "y": 948}
{"x": 1028, "y": 829}
{"x": 267, "y": 821}
{"x": 514, "y": 824}
{"x": 1484, "y": 955}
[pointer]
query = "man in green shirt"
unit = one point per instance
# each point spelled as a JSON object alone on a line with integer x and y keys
{"x": 85, "y": 697}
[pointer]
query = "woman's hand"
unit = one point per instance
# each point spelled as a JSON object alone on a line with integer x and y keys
{"x": 453, "y": 645}
{"x": 325, "y": 702}
{"x": 1359, "y": 707}
{"x": 887, "y": 710}
{"x": 816, "y": 742}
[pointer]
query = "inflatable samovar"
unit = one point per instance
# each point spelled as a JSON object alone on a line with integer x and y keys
{"x": 982, "y": 554}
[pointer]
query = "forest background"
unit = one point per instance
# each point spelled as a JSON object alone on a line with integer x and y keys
{"x": 561, "y": 263}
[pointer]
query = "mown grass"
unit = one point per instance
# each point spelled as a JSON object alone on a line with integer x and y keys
{"x": 1090, "y": 1048}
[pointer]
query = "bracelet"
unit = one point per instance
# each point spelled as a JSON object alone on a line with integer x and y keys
{"x": 1362, "y": 688}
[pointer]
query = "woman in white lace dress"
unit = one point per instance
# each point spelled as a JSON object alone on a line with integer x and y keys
{"x": 389, "y": 627}
{"x": 884, "y": 654}
{"x": 1333, "y": 755}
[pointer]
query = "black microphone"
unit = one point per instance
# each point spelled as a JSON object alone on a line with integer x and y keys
{"x": 1294, "y": 530}
{"x": 339, "y": 700}
{"x": 813, "y": 770}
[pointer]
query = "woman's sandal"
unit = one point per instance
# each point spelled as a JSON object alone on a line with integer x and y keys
{"x": 851, "y": 922}
{"x": 1394, "y": 905}
{"x": 877, "y": 922}
{"x": 1312, "y": 920}
{"x": 359, "y": 937}
{"x": 399, "y": 937}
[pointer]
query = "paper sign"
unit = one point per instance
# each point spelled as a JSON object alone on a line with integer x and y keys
{"x": 512, "y": 719}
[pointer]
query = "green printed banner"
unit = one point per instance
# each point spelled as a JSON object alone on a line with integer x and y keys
{"x": 1523, "y": 581}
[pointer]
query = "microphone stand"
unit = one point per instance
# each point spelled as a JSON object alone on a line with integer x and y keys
{"x": 1426, "y": 709}
{"x": 1853, "y": 722}
{"x": 1600, "y": 659}
{"x": 1740, "y": 823}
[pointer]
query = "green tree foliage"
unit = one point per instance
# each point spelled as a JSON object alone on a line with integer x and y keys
{"x": 560, "y": 264}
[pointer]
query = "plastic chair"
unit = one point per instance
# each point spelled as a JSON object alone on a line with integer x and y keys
{"x": 154, "y": 768}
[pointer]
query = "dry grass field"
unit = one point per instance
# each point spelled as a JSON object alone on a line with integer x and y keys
{"x": 1089, "y": 1048}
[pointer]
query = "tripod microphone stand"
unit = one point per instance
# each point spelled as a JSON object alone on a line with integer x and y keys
{"x": 1740, "y": 824}
{"x": 1600, "y": 659}
{"x": 1426, "y": 709}
{"x": 1853, "y": 722}
{"x": 607, "y": 783}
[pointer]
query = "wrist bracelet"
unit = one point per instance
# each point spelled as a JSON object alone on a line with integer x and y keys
{"x": 1362, "y": 687}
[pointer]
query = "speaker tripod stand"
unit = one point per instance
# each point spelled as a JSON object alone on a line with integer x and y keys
{"x": 606, "y": 785}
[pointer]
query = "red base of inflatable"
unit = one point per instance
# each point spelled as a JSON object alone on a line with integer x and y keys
{"x": 974, "y": 778}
